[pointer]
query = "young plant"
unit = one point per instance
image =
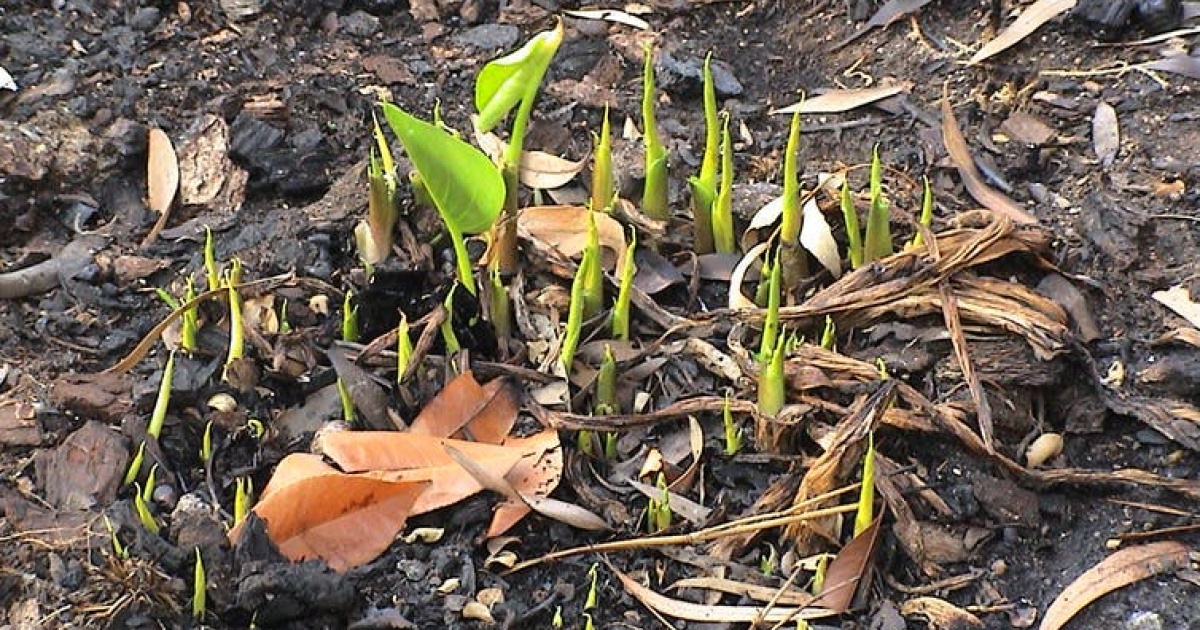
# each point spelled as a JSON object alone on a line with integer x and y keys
{"x": 829, "y": 334}
{"x": 243, "y": 496}
{"x": 658, "y": 510}
{"x": 878, "y": 243}
{"x": 575, "y": 316}
{"x": 654, "y": 195}
{"x": 769, "y": 563}
{"x": 500, "y": 310}
{"x": 926, "y": 218}
{"x": 373, "y": 236}
{"x": 512, "y": 81}
{"x": 199, "y": 588}
{"x": 704, "y": 185}
{"x": 118, "y": 549}
{"x": 854, "y": 249}
{"x": 620, "y": 312}
{"x": 772, "y": 392}
{"x": 211, "y": 271}
{"x": 771, "y": 321}
{"x": 724, "y": 239}
{"x": 734, "y": 434}
{"x": 143, "y": 511}
{"x": 603, "y": 191}
{"x": 463, "y": 185}
{"x": 206, "y": 447}
{"x": 447, "y": 329}
{"x": 237, "y": 330}
{"x": 591, "y": 266}
{"x": 189, "y": 320}
{"x": 606, "y": 384}
{"x": 135, "y": 467}
{"x": 592, "y": 601}
{"x": 163, "y": 400}
{"x": 791, "y": 254}
{"x": 404, "y": 348}
{"x": 148, "y": 489}
{"x": 349, "y": 318}
{"x": 865, "y": 514}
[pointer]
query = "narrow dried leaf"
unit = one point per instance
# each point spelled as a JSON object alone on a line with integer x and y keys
{"x": 162, "y": 178}
{"x": 538, "y": 168}
{"x": 837, "y": 101}
{"x": 315, "y": 511}
{"x": 716, "y": 614}
{"x": 691, "y": 511}
{"x": 1030, "y": 19}
{"x": 1106, "y": 133}
{"x": 817, "y": 237}
{"x": 851, "y": 568}
{"x": 611, "y": 15}
{"x": 537, "y": 473}
{"x": 737, "y": 299}
{"x": 564, "y": 228}
{"x": 790, "y": 597}
{"x": 991, "y": 199}
{"x": 1122, "y": 568}
{"x": 1179, "y": 299}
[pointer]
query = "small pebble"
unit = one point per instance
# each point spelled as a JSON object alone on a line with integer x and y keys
{"x": 1144, "y": 620}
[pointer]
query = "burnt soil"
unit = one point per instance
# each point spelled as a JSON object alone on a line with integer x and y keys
{"x": 297, "y": 82}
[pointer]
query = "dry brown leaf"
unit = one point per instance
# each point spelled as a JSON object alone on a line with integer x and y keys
{"x": 162, "y": 178}
{"x": 850, "y": 569}
{"x": 1106, "y": 133}
{"x": 837, "y": 101}
{"x": 715, "y": 614}
{"x": 1179, "y": 300}
{"x": 790, "y": 597}
{"x": 532, "y": 476}
{"x": 564, "y": 228}
{"x": 991, "y": 199}
{"x": 538, "y": 168}
{"x": 1030, "y": 19}
{"x": 1122, "y": 568}
{"x": 939, "y": 613}
{"x": 315, "y": 511}
{"x": 482, "y": 413}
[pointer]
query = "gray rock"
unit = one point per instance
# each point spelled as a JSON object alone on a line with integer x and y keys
{"x": 1144, "y": 620}
{"x": 145, "y": 18}
{"x": 489, "y": 36}
{"x": 360, "y": 24}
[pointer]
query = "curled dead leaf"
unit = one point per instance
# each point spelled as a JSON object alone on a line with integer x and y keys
{"x": 564, "y": 229}
{"x": 162, "y": 178}
{"x": 538, "y": 168}
{"x": 1030, "y": 19}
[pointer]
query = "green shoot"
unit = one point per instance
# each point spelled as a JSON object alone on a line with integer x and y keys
{"x": 143, "y": 511}
{"x": 513, "y": 81}
{"x": 167, "y": 298}
{"x": 704, "y": 185}
{"x": 654, "y": 195}
{"x": 575, "y": 316}
{"x": 148, "y": 490}
{"x": 603, "y": 191}
{"x": 557, "y": 621}
{"x": 734, "y": 434}
{"x": 500, "y": 311}
{"x": 588, "y": 623}
{"x": 865, "y": 514}
{"x": 374, "y": 235}
{"x": 593, "y": 598}
{"x": 349, "y": 318}
{"x": 658, "y": 510}
{"x": 592, "y": 268}
{"x": 926, "y": 218}
{"x": 285, "y": 326}
{"x": 620, "y": 312}
{"x": 606, "y": 384}
{"x": 243, "y": 496}
{"x": 722, "y": 210}
{"x": 404, "y": 348}
{"x": 772, "y": 392}
{"x": 829, "y": 334}
{"x": 585, "y": 441}
{"x": 189, "y": 325}
{"x": 210, "y": 261}
{"x": 853, "y": 232}
{"x": 256, "y": 428}
{"x": 792, "y": 216}
{"x": 199, "y": 588}
{"x": 770, "y": 562}
{"x": 762, "y": 290}
{"x": 610, "y": 445}
{"x": 206, "y": 447}
{"x": 463, "y": 185}
{"x": 347, "y": 402}
{"x": 771, "y": 321}
{"x": 159, "y": 415}
{"x": 818, "y": 579}
{"x": 878, "y": 243}
{"x": 237, "y": 330}
{"x": 135, "y": 467}
{"x": 118, "y": 548}
{"x": 447, "y": 328}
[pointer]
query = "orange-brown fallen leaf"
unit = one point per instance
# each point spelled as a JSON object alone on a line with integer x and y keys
{"x": 162, "y": 178}
{"x": 1029, "y": 21}
{"x": 313, "y": 510}
{"x": 991, "y": 198}
{"x": 1123, "y": 568}
{"x": 564, "y": 228}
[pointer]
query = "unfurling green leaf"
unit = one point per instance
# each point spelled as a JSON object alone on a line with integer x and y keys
{"x": 865, "y": 514}
{"x": 199, "y": 588}
{"x": 926, "y": 218}
{"x": 243, "y": 497}
{"x": 772, "y": 387}
{"x": 853, "y": 232}
{"x": 143, "y": 511}
{"x": 404, "y": 348}
{"x": 592, "y": 266}
{"x": 606, "y": 384}
{"x": 349, "y": 318}
{"x": 374, "y": 235}
{"x": 506, "y": 82}
{"x": 829, "y": 334}
{"x": 734, "y": 434}
{"x": 704, "y": 186}
{"x": 792, "y": 212}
